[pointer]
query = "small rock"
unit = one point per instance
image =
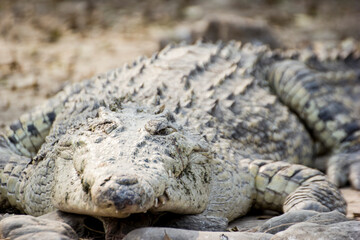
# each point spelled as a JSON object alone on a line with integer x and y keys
{"x": 29, "y": 227}
{"x": 282, "y": 222}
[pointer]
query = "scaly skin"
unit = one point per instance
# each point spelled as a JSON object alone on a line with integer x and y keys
{"x": 330, "y": 114}
{"x": 193, "y": 130}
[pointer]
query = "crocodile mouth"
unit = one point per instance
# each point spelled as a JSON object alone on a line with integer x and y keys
{"x": 124, "y": 195}
{"x": 161, "y": 200}
{"x": 120, "y": 195}
{"x": 127, "y": 201}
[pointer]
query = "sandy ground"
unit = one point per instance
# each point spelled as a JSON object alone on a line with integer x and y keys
{"x": 44, "y": 46}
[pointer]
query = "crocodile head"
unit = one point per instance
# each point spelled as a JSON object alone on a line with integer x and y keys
{"x": 129, "y": 161}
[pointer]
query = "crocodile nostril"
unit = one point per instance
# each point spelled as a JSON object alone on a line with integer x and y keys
{"x": 127, "y": 181}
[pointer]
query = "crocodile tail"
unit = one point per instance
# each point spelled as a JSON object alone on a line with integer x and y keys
{"x": 286, "y": 187}
{"x": 27, "y": 134}
{"x": 319, "y": 98}
{"x": 310, "y": 93}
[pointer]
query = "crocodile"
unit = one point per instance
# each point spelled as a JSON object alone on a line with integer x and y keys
{"x": 207, "y": 131}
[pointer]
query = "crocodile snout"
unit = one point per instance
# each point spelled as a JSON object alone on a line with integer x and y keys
{"x": 124, "y": 194}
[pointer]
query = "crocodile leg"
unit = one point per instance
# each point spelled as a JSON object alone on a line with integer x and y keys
{"x": 293, "y": 189}
{"x": 288, "y": 187}
{"x": 326, "y": 113}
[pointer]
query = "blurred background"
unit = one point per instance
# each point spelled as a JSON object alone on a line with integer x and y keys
{"x": 45, "y": 44}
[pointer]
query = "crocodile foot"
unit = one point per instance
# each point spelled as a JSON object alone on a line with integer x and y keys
{"x": 344, "y": 167}
{"x": 54, "y": 225}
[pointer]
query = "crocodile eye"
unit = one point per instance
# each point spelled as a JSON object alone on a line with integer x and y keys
{"x": 166, "y": 131}
{"x": 158, "y": 127}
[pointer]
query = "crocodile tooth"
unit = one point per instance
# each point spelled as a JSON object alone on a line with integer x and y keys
{"x": 156, "y": 204}
{"x": 162, "y": 199}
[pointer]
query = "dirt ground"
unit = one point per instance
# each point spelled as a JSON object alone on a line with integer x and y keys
{"x": 45, "y": 45}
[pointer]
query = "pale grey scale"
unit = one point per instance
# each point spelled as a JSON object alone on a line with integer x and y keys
{"x": 198, "y": 82}
{"x": 190, "y": 81}
{"x": 242, "y": 192}
{"x": 260, "y": 131}
{"x": 170, "y": 77}
{"x": 225, "y": 88}
{"x": 220, "y": 64}
{"x": 33, "y": 190}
